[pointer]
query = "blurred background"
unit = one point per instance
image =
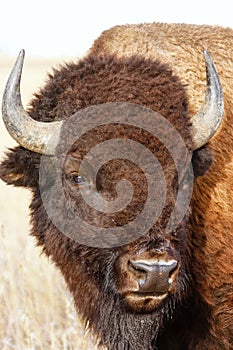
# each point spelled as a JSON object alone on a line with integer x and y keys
{"x": 36, "y": 311}
{"x": 61, "y": 28}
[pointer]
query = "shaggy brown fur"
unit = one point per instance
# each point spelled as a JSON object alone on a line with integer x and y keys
{"x": 199, "y": 313}
{"x": 181, "y": 47}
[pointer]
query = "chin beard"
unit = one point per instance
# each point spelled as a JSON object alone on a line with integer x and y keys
{"x": 119, "y": 329}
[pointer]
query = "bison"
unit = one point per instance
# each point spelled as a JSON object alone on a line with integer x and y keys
{"x": 169, "y": 286}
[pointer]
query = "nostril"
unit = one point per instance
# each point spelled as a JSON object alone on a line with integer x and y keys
{"x": 172, "y": 271}
{"x": 133, "y": 265}
{"x": 153, "y": 275}
{"x": 136, "y": 269}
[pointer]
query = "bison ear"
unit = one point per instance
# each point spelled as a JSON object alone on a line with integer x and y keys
{"x": 19, "y": 168}
{"x": 201, "y": 161}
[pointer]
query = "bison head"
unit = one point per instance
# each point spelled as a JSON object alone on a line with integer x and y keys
{"x": 125, "y": 282}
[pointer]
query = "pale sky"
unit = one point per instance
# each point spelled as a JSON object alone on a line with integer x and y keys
{"x": 68, "y": 28}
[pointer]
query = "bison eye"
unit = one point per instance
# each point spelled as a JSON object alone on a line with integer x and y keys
{"x": 78, "y": 179}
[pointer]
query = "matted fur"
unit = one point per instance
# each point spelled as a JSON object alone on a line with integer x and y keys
{"x": 168, "y": 77}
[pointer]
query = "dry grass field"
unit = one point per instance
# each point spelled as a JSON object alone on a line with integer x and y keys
{"x": 36, "y": 311}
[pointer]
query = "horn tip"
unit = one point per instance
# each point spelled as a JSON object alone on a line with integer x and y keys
{"x": 18, "y": 64}
{"x": 21, "y": 54}
{"x": 206, "y": 55}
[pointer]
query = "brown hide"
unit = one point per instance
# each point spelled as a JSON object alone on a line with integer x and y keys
{"x": 181, "y": 47}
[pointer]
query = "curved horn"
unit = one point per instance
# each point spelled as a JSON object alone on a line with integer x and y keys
{"x": 39, "y": 137}
{"x": 206, "y": 122}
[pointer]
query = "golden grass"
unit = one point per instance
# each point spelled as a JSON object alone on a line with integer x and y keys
{"x": 36, "y": 310}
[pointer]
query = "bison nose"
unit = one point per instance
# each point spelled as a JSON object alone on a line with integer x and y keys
{"x": 153, "y": 276}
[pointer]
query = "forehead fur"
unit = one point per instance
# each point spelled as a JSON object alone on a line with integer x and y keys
{"x": 96, "y": 80}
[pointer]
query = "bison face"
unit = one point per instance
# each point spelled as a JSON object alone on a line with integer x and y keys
{"x": 144, "y": 269}
{"x": 143, "y": 275}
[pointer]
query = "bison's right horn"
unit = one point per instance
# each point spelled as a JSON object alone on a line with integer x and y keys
{"x": 39, "y": 137}
{"x": 206, "y": 122}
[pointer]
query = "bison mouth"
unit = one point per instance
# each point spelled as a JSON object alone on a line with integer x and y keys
{"x": 137, "y": 295}
{"x": 144, "y": 302}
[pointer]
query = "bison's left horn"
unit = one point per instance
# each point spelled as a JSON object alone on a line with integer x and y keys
{"x": 206, "y": 122}
{"x": 36, "y": 136}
